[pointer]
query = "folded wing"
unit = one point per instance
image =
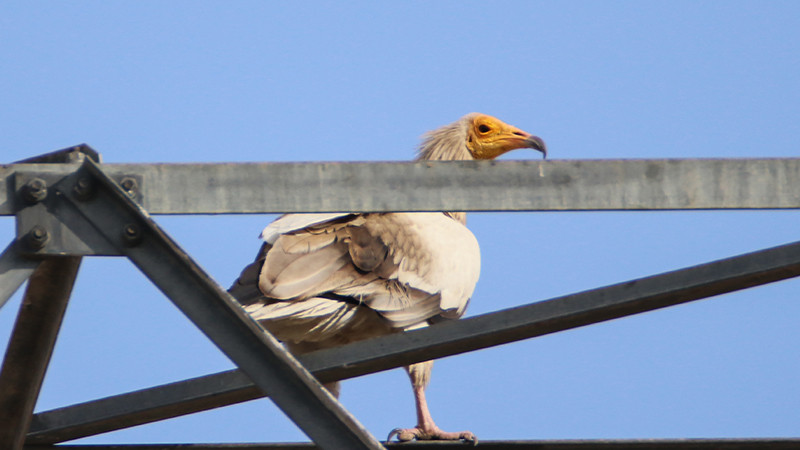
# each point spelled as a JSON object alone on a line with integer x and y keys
{"x": 332, "y": 279}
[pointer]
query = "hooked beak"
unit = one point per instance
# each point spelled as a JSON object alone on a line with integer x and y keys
{"x": 536, "y": 143}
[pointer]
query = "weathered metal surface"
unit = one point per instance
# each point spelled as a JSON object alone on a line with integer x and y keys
{"x": 144, "y": 406}
{"x": 67, "y": 232}
{"x": 444, "y": 339}
{"x": 559, "y": 185}
{"x": 41, "y": 312}
{"x": 31, "y": 346}
{"x": 14, "y": 270}
{"x": 122, "y": 223}
{"x": 74, "y": 154}
{"x": 601, "y": 444}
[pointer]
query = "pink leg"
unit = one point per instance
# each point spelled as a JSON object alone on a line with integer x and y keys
{"x": 426, "y": 428}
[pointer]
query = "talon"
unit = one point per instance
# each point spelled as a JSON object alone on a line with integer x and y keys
{"x": 407, "y": 434}
{"x": 469, "y": 437}
{"x": 393, "y": 433}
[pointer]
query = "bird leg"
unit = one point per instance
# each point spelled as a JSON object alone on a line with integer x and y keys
{"x": 426, "y": 429}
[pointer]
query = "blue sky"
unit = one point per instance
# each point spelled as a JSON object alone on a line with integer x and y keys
{"x": 328, "y": 81}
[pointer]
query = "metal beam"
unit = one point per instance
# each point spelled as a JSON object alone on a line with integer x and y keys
{"x": 40, "y": 315}
{"x": 566, "y": 185}
{"x": 31, "y": 345}
{"x": 588, "y": 444}
{"x": 14, "y": 270}
{"x": 444, "y": 339}
{"x": 74, "y": 154}
{"x": 124, "y": 224}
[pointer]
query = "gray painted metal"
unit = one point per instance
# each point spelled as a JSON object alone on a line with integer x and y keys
{"x": 444, "y": 339}
{"x": 31, "y": 345}
{"x": 565, "y": 185}
{"x": 115, "y": 216}
{"x": 74, "y": 154}
{"x": 68, "y": 232}
{"x": 41, "y": 313}
{"x": 14, "y": 270}
{"x": 615, "y": 444}
{"x": 144, "y": 406}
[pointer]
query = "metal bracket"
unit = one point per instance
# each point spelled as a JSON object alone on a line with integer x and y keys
{"x": 46, "y": 225}
{"x": 33, "y": 235}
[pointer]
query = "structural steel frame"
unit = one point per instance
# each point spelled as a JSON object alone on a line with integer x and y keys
{"x": 67, "y": 205}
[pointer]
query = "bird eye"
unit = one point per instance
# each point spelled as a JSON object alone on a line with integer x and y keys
{"x": 483, "y": 128}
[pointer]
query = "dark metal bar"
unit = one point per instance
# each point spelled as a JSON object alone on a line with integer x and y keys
{"x": 444, "y": 339}
{"x": 31, "y": 346}
{"x": 143, "y": 406}
{"x": 553, "y": 185}
{"x": 14, "y": 270}
{"x": 41, "y": 313}
{"x": 610, "y": 444}
{"x": 123, "y": 223}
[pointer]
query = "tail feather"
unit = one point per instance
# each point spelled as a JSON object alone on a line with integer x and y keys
{"x": 245, "y": 289}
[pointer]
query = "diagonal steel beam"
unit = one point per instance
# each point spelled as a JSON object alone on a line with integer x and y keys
{"x": 14, "y": 270}
{"x": 449, "y": 338}
{"x": 124, "y": 224}
{"x": 31, "y": 345}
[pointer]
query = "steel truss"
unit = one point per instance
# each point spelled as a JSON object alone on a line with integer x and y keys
{"x": 68, "y": 205}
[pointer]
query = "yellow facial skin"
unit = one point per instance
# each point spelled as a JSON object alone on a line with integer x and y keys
{"x": 489, "y": 137}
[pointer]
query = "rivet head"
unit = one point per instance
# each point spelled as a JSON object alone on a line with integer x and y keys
{"x": 37, "y": 238}
{"x": 83, "y": 189}
{"x": 129, "y": 185}
{"x": 131, "y": 235}
{"x": 34, "y": 190}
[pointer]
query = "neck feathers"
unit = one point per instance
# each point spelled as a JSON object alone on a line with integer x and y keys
{"x": 448, "y": 143}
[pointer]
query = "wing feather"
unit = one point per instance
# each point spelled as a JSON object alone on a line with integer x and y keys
{"x": 287, "y": 275}
{"x": 293, "y": 222}
{"x": 400, "y": 270}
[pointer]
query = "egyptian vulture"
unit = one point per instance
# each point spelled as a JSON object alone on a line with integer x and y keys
{"x": 322, "y": 280}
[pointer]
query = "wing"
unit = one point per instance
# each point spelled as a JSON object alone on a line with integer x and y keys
{"x": 288, "y": 223}
{"x": 317, "y": 276}
{"x": 433, "y": 253}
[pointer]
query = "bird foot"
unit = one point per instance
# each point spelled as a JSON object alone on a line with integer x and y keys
{"x": 431, "y": 434}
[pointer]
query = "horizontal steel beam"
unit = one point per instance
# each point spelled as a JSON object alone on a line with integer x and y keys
{"x": 444, "y": 339}
{"x": 565, "y": 185}
{"x": 589, "y": 444}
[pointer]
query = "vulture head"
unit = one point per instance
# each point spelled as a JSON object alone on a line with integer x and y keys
{"x": 476, "y": 136}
